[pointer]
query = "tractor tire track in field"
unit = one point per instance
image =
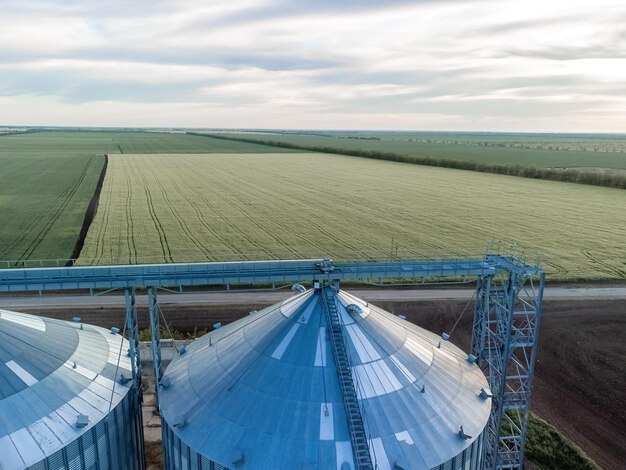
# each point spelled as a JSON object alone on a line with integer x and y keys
{"x": 268, "y": 230}
{"x": 90, "y": 214}
{"x": 34, "y": 221}
{"x": 165, "y": 248}
{"x": 204, "y": 223}
{"x": 336, "y": 238}
{"x": 293, "y": 251}
{"x": 233, "y": 226}
{"x": 557, "y": 267}
{"x": 130, "y": 237}
{"x": 608, "y": 268}
{"x": 30, "y": 249}
{"x": 245, "y": 235}
{"x": 181, "y": 221}
{"x": 37, "y": 220}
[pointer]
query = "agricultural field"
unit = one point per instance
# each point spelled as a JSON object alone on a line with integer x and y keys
{"x": 48, "y": 178}
{"x": 582, "y": 151}
{"x": 77, "y": 143}
{"x": 175, "y": 207}
{"x": 42, "y": 202}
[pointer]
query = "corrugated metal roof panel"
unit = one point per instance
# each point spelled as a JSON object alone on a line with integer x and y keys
{"x": 259, "y": 386}
{"x": 50, "y": 372}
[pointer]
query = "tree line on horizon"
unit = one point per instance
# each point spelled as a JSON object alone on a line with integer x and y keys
{"x": 595, "y": 178}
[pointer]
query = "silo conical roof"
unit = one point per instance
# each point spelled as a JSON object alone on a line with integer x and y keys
{"x": 263, "y": 393}
{"x": 52, "y": 372}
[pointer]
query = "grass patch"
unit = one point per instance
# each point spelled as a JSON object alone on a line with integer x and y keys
{"x": 146, "y": 334}
{"x": 548, "y": 449}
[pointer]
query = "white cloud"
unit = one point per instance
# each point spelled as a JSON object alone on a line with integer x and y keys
{"x": 507, "y": 65}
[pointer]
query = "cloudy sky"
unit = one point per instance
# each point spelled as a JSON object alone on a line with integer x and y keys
{"x": 531, "y": 65}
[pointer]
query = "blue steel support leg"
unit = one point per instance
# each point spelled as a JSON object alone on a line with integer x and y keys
{"x": 133, "y": 338}
{"x": 135, "y": 362}
{"x": 511, "y": 333}
{"x": 481, "y": 312}
{"x": 155, "y": 342}
{"x": 524, "y": 345}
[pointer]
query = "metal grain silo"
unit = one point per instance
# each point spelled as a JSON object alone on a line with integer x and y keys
{"x": 63, "y": 401}
{"x": 274, "y": 391}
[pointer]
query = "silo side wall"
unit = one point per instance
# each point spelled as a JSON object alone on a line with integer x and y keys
{"x": 178, "y": 456}
{"x": 114, "y": 443}
{"x": 472, "y": 458}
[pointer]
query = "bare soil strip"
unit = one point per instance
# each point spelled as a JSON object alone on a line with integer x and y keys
{"x": 90, "y": 214}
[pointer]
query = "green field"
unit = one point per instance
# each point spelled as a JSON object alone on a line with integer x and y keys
{"x": 541, "y": 151}
{"x": 254, "y": 206}
{"x": 43, "y": 201}
{"x": 81, "y": 143}
{"x": 48, "y": 178}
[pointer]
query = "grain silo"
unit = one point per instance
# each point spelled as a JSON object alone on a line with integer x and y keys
{"x": 65, "y": 399}
{"x": 323, "y": 381}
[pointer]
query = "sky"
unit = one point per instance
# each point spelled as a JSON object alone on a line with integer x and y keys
{"x": 501, "y": 65}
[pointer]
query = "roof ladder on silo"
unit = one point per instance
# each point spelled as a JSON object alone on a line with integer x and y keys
{"x": 358, "y": 436}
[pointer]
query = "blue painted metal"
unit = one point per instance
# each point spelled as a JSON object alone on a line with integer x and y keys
{"x": 63, "y": 400}
{"x": 356, "y": 427}
{"x": 264, "y": 393}
{"x": 132, "y": 327}
{"x": 506, "y": 323}
{"x": 505, "y": 340}
{"x": 245, "y": 272}
{"x": 155, "y": 336}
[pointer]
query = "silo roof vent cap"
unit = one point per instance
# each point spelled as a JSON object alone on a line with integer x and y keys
{"x": 237, "y": 458}
{"x": 462, "y": 434}
{"x": 354, "y": 308}
{"x": 165, "y": 382}
{"x": 82, "y": 421}
{"x": 401, "y": 464}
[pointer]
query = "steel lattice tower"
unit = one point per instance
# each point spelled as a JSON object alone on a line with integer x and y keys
{"x": 505, "y": 333}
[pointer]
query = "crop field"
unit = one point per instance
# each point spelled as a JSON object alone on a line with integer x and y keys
{"x": 175, "y": 207}
{"x": 63, "y": 143}
{"x": 541, "y": 151}
{"x": 42, "y": 203}
{"x": 48, "y": 178}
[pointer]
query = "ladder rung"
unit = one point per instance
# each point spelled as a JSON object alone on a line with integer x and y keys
{"x": 353, "y": 412}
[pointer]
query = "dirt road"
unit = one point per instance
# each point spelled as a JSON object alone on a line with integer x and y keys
{"x": 272, "y": 296}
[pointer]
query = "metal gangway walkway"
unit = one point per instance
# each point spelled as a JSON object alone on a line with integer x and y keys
{"x": 358, "y": 436}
